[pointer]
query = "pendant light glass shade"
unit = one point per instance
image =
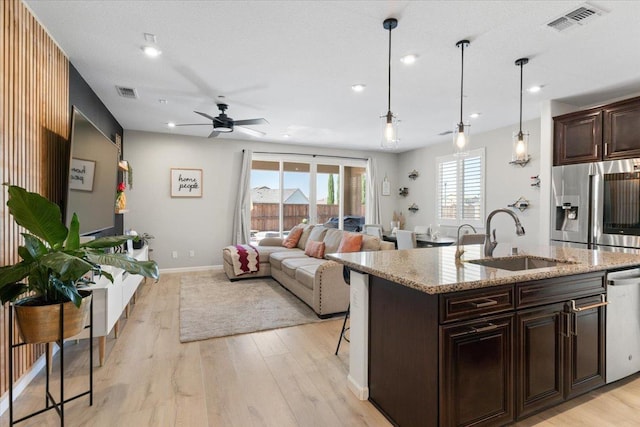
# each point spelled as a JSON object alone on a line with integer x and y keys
{"x": 390, "y": 129}
{"x": 520, "y": 145}
{"x": 461, "y": 130}
{"x": 390, "y": 132}
{"x": 520, "y": 149}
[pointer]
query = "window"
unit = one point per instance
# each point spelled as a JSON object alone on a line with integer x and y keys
{"x": 460, "y": 189}
{"x": 299, "y": 188}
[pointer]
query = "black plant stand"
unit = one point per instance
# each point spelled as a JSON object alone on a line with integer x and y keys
{"x": 50, "y": 402}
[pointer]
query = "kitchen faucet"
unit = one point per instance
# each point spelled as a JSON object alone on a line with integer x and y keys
{"x": 489, "y": 246}
{"x": 459, "y": 251}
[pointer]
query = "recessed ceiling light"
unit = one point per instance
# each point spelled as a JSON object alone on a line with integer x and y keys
{"x": 534, "y": 89}
{"x": 409, "y": 59}
{"x": 162, "y": 101}
{"x": 475, "y": 115}
{"x": 151, "y": 51}
{"x": 286, "y": 135}
{"x": 171, "y": 124}
{"x": 358, "y": 87}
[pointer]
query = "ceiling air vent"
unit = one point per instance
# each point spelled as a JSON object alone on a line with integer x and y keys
{"x": 580, "y": 16}
{"x": 127, "y": 92}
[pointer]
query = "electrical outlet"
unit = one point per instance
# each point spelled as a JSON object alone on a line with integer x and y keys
{"x": 174, "y": 254}
{"x": 192, "y": 253}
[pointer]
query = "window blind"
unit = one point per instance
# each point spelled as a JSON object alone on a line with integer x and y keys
{"x": 460, "y": 188}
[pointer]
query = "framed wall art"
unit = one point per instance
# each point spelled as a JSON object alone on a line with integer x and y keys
{"x": 186, "y": 182}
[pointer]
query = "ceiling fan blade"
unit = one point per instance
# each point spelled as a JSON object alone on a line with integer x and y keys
{"x": 205, "y": 115}
{"x": 213, "y": 134}
{"x": 193, "y": 124}
{"x": 251, "y": 122}
{"x": 249, "y": 131}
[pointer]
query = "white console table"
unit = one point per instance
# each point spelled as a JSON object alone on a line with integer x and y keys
{"x": 110, "y": 300}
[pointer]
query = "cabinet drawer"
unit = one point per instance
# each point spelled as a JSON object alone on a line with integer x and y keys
{"x": 559, "y": 289}
{"x": 474, "y": 303}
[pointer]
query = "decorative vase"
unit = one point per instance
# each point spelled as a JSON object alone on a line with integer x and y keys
{"x": 121, "y": 201}
{"x": 41, "y": 323}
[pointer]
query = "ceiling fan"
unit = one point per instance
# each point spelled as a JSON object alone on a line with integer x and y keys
{"x": 225, "y": 124}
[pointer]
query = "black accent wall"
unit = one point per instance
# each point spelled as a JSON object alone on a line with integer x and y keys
{"x": 85, "y": 99}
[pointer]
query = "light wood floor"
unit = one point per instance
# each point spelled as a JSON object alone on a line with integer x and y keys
{"x": 285, "y": 377}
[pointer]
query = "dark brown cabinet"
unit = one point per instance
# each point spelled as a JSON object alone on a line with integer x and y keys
{"x": 605, "y": 133}
{"x": 540, "y": 358}
{"x": 621, "y": 130}
{"x": 484, "y": 357}
{"x": 476, "y": 373}
{"x": 585, "y": 347}
{"x": 578, "y": 138}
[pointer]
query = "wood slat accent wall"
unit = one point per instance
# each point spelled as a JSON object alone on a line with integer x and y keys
{"x": 34, "y": 127}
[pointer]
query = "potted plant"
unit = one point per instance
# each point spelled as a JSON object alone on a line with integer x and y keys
{"x": 143, "y": 239}
{"x": 55, "y": 265}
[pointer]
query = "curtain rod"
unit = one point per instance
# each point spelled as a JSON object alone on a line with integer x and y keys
{"x": 310, "y": 155}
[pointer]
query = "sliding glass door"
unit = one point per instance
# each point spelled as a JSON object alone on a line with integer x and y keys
{"x": 289, "y": 189}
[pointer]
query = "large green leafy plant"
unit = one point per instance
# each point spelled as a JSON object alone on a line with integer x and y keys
{"x": 54, "y": 262}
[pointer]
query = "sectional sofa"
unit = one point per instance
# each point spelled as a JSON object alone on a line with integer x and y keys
{"x": 315, "y": 280}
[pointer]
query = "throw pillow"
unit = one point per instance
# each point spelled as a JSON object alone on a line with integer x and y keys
{"x": 314, "y": 249}
{"x": 351, "y": 242}
{"x": 292, "y": 239}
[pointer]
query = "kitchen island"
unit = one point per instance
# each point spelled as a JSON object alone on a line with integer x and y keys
{"x": 440, "y": 342}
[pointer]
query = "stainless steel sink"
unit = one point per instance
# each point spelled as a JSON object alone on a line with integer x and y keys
{"x": 518, "y": 263}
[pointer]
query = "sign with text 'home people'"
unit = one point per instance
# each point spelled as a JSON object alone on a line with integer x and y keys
{"x": 186, "y": 182}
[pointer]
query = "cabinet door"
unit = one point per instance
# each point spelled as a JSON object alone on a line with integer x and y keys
{"x": 540, "y": 362}
{"x": 622, "y": 130}
{"x": 577, "y": 137}
{"x": 585, "y": 347}
{"x": 476, "y": 372}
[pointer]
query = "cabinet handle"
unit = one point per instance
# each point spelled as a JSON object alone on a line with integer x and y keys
{"x": 596, "y": 150}
{"x": 602, "y": 303}
{"x": 606, "y": 149}
{"x": 488, "y": 327}
{"x": 484, "y": 303}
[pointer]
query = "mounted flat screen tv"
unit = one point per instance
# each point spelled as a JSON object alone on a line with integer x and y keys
{"x": 93, "y": 176}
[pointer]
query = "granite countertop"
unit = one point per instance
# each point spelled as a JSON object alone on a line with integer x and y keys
{"x": 434, "y": 270}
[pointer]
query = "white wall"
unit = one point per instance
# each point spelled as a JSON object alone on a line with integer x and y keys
{"x": 202, "y": 225}
{"x": 504, "y": 184}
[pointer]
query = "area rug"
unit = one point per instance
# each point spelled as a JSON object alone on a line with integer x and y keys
{"x": 213, "y": 306}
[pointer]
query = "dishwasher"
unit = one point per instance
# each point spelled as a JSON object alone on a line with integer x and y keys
{"x": 623, "y": 324}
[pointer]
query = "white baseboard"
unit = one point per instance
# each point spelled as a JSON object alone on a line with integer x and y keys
{"x": 24, "y": 381}
{"x": 361, "y": 393}
{"x": 187, "y": 269}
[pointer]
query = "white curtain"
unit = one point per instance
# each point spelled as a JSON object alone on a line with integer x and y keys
{"x": 373, "y": 193}
{"x": 242, "y": 213}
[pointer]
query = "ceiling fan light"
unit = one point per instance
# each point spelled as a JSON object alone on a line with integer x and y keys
{"x": 151, "y": 52}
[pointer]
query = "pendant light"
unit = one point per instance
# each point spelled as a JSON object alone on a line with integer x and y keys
{"x": 461, "y": 131}
{"x": 519, "y": 155}
{"x": 390, "y": 132}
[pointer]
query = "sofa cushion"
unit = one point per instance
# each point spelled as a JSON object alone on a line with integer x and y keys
{"x": 317, "y": 233}
{"x": 306, "y": 231}
{"x": 276, "y": 258}
{"x": 332, "y": 240}
{"x": 289, "y": 266}
{"x": 315, "y": 249}
{"x": 351, "y": 242}
{"x": 370, "y": 243}
{"x": 306, "y": 275}
{"x": 293, "y": 237}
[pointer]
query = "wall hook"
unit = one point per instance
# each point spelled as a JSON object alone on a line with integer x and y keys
{"x": 414, "y": 208}
{"x": 414, "y": 174}
{"x": 536, "y": 181}
{"x": 522, "y": 204}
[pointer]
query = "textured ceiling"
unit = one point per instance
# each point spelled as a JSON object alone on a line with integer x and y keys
{"x": 293, "y": 63}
